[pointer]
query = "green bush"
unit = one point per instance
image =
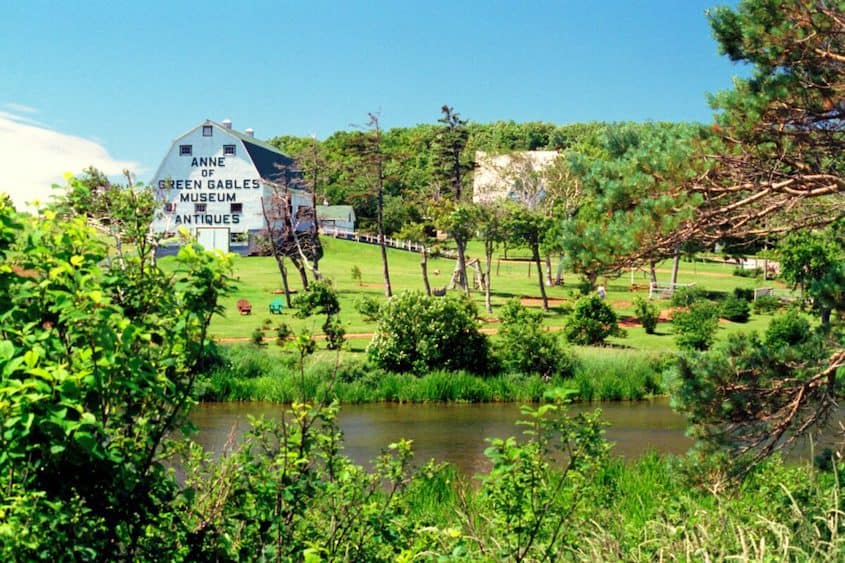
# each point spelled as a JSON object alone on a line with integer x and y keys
{"x": 767, "y": 304}
{"x": 257, "y": 336}
{"x": 334, "y": 331}
{"x": 647, "y": 313}
{"x": 283, "y": 332}
{"x": 525, "y": 347}
{"x": 696, "y": 327}
{"x": 591, "y": 322}
{"x": 789, "y": 329}
{"x": 321, "y": 298}
{"x": 686, "y": 296}
{"x": 416, "y": 332}
{"x": 746, "y": 293}
{"x": 748, "y": 272}
{"x": 367, "y": 306}
{"x": 735, "y": 309}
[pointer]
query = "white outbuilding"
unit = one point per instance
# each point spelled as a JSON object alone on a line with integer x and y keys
{"x": 213, "y": 181}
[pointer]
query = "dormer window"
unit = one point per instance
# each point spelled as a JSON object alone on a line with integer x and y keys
{"x": 169, "y": 207}
{"x": 200, "y": 207}
{"x": 228, "y": 150}
{"x": 186, "y": 150}
{"x": 207, "y": 130}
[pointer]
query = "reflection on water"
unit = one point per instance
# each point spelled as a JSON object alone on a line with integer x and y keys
{"x": 452, "y": 432}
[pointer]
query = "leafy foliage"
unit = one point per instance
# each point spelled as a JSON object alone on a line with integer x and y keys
{"x": 98, "y": 365}
{"x": 524, "y": 347}
{"x": 321, "y": 298}
{"x": 735, "y": 309}
{"x": 647, "y": 313}
{"x": 686, "y": 296}
{"x": 746, "y": 394}
{"x": 696, "y": 327}
{"x": 417, "y": 333}
{"x": 591, "y": 322}
{"x": 531, "y": 505}
{"x": 367, "y": 306}
{"x": 767, "y": 304}
{"x": 789, "y": 329}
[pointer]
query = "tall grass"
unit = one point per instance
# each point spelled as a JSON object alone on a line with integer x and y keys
{"x": 607, "y": 374}
{"x": 248, "y": 373}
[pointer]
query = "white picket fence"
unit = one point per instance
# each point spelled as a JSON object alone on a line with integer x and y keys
{"x": 369, "y": 238}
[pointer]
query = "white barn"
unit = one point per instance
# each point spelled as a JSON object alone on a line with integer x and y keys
{"x": 517, "y": 176}
{"x": 212, "y": 182}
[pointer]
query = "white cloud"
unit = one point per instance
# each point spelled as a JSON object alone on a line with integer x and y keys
{"x": 33, "y": 158}
{"x": 20, "y": 108}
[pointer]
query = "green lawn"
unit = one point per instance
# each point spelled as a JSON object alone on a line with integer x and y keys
{"x": 259, "y": 278}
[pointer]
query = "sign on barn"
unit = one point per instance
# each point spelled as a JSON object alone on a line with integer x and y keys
{"x": 214, "y": 177}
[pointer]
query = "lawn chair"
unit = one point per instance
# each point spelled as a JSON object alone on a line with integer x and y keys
{"x": 244, "y": 307}
{"x": 276, "y": 306}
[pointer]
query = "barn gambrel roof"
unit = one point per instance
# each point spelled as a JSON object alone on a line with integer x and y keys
{"x": 270, "y": 163}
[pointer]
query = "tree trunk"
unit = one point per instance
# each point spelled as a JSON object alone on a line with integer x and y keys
{"x": 424, "y": 268}
{"x": 316, "y": 224}
{"x": 283, "y": 271}
{"x": 488, "y": 255}
{"x": 540, "y": 276}
{"x": 388, "y": 290}
{"x": 825, "y": 319}
{"x": 676, "y": 263}
{"x": 549, "y": 281}
{"x": 303, "y": 273}
{"x": 653, "y": 272}
{"x": 462, "y": 263}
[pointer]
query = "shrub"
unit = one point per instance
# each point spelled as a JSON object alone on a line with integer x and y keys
{"x": 416, "y": 332}
{"x": 283, "y": 332}
{"x": 591, "y": 321}
{"x": 367, "y": 306}
{"x": 748, "y": 272}
{"x": 525, "y": 347}
{"x": 686, "y": 296}
{"x": 647, "y": 313}
{"x": 766, "y": 304}
{"x": 746, "y": 293}
{"x": 789, "y": 329}
{"x": 257, "y": 336}
{"x": 321, "y": 298}
{"x": 356, "y": 274}
{"x": 735, "y": 309}
{"x": 334, "y": 331}
{"x": 696, "y": 328}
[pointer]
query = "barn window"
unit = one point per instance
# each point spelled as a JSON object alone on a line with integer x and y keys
{"x": 199, "y": 208}
{"x": 206, "y": 131}
{"x": 228, "y": 149}
{"x": 186, "y": 150}
{"x": 169, "y": 207}
{"x": 237, "y": 208}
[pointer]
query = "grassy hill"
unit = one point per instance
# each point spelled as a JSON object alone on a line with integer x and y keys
{"x": 259, "y": 279}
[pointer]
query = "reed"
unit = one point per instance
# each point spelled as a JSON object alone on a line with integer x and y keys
{"x": 248, "y": 373}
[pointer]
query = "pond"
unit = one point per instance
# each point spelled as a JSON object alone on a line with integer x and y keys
{"x": 454, "y": 432}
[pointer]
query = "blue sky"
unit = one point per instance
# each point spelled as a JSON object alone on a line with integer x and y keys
{"x": 122, "y": 79}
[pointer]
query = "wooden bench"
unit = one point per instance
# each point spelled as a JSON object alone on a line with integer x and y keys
{"x": 244, "y": 307}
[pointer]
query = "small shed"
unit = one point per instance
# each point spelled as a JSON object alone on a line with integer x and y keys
{"x": 336, "y": 219}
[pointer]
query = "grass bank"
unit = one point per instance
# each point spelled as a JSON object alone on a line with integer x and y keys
{"x": 250, "y": 373}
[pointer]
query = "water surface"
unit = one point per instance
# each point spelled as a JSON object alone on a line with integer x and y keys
{"x": 453, "y": 432}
